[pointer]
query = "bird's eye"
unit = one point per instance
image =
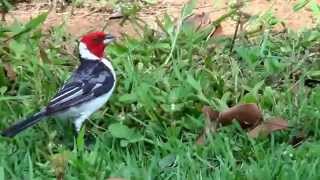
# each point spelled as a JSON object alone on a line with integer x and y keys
{"x": 96, "y": 40}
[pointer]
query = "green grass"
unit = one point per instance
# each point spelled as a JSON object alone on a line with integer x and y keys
{"x": 149, "y": 127}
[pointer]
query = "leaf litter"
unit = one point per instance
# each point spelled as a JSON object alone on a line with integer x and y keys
{"x": 10, "y": 73}
{"x": 249, "y": 116}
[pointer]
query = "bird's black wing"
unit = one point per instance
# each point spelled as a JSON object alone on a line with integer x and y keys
{"x": 90, "y": 80}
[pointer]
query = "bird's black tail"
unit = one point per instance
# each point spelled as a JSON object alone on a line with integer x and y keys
{"x": 22, "y": 125}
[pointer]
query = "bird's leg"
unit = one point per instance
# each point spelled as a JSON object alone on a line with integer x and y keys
{"x": 78, "y": 122}
{"x": 88, "y": 139}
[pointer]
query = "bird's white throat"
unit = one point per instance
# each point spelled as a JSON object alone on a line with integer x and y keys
{"x": 85, "y": 52}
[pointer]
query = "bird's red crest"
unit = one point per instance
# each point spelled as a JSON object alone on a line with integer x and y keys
{"x": 94, "y": 43}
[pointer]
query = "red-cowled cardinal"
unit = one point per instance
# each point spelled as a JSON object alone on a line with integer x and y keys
{"x": 89, "y": 87}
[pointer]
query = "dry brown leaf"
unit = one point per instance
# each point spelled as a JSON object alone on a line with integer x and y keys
{"x": 210, "y": 114}
{"x": 216, "y": 32}
{"x": 11, "y": 74}
{"x": 275, "y": 124}
{"x": 258, "y": 131}
{"x": 201, "y": 139}
{"x": 59, "y": 163}
{"x": 210, "y": 126}
{"x": 267, "y": 127}
{"x": 248, "y": 115}
{"x": 198, "y": 21}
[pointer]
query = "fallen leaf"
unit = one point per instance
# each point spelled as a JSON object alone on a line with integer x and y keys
{"x": 209, "y": 113}
{"x": 267, "y": 127}
{"x": 258, "y": 131}
{"x": 198, "y": 21}
{"x": 11, "y": 74}
{"x": 210, "y": 124}
{"x": 275, "y": 124}
{"x": 216, "y": 32}
{"x": 248, "y": 115}
{"x": 59, "y": 163}
{"x": 201, "y": 139}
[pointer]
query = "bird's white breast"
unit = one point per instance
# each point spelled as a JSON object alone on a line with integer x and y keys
{"x": 83, "y": 111}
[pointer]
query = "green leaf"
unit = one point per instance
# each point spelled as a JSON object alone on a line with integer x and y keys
{"x": 118, "y": 130}
{"x": 249, "y": 98}
{"x": 167, "y": 161}
{"x": 3, "y": 89}
{"x": 3, "y": 79}
{"x": 253, "y": 95}
{"x": 5, "y": 4}
{"x": 80, "y": 140}
{"x": 168, "y": 24}
{"x": 301, "y": 4}
{"x": 195, "y": 84}
{"x": 2, "y": 173}
{"x": 188, "y": 8}
{"x": 17, "y": 48}
{"x": 11, "y": 98}
{"x": 256, "y": 88}
{"x": 267, "y": 98}
{"x": 145, "y": 95}
{"x": 31, "y": 175}
{"x": 316, "y": 97}
{"x": 315, "y": 8}
{"x": 124, "y": 143}
{"x": 33, "y": 23}
{"x": 314, "y": 74}
{"x": 127, "y": 135}
{"x": 249, "y": 54}
{"x": 128, "y": 98}
{"x": 273, "y": 65}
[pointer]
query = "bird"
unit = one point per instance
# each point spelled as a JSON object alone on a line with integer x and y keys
{"x": 87, "y": 89}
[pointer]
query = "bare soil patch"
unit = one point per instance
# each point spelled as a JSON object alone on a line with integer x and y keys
{"x": 87, "y": 19}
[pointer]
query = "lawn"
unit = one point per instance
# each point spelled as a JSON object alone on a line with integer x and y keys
{"x": 149, "y": 127}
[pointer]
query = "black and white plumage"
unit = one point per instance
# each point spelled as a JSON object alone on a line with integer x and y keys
{"x": 89, "y": 88}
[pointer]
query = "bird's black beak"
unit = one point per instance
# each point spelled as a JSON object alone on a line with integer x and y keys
{"x": 108, "y": 39}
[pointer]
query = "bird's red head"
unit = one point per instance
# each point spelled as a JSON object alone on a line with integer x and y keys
{"x": 96, "y": 42}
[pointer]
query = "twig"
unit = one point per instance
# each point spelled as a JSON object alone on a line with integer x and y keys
{"x": 235, "y": 33}
{"x": 217, "y": 22}
{"x": 116, "y": 15}
{"x": 97, "y": 126}
{"x": 92, "y": 12}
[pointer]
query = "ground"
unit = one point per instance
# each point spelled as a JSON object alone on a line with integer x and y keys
{"x": 93, "y": 17}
